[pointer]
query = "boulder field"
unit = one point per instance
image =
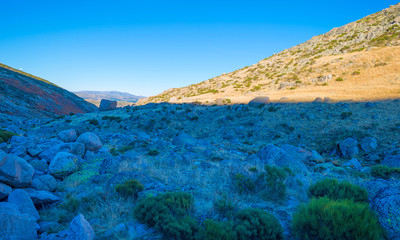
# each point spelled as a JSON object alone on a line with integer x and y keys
{"x": 81, "y": 176}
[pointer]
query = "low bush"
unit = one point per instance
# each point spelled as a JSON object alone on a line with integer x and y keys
{"x": 274, "y": 178}
{"x": 170, "y": 214}
{"x": 335, "y": 190}
{"x": 243, "y": 184}
{"x": 94, "y": 122}
{"x": 257, "y": 224}
{"x": 130, "y": 188}
{"x": 5, "y": 136}
{"x": 325, "y": 219}
{"x": 112, "y": 118}
{"x": 225, "y": 208}
{"x": 219, "y": 230}
{"x": 383, "y": 171}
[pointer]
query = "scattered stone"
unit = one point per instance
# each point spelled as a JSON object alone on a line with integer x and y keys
{"x": 14, "y": 225}
{"x": 24, "y": 203}
{"x": 107, "y": 105}
{"x": 369, "y": 144}
{"x": 15, "y": 171}
{"x": 90, "y": 140}
{"x": 318, "y": 100}
{"x": 44, "y": 183}
{"x": 349, "y": 147}
{"x": 68, "y": 135}
{"x": 4, "y": 191}
{"x": 19, "y": 151}
{"x": 80, "y": 229}
{"x": 63, "y": 164}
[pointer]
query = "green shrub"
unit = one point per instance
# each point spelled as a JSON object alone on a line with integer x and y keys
{"x": 339, "y": 79}
{"x": 383, "y": 171}
{"x": 130, "y": 188}
{"x": 345, "y": 115}
{"x": 275, "y": 178}
{"x": 5, "y": 136}
{"x": 219, "y": 230}
{"x": 225, "y": 208}
{"x": 170, "y": 214}
{"x": 325, "y": 219}
{"x": 153, "y": 153}
{"x": 94, "y": 122}
{"x": 243, "y": 184}
{"x": 112, "y": 118}
{"x": 257, "y": 224}
{"x": 335, "y": 190}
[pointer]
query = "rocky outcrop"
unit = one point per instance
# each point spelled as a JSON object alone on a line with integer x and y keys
{"x": 15, "y": 171}
{"x": 16, "y": 225}
{"x": 107, "y": 105}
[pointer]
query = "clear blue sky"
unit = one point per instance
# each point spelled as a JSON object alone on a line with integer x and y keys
{"x": 145, "y": 47}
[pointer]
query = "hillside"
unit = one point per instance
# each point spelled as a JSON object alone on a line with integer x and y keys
{"x": 359, "y": 61}
{"x": 123, "y": 99}
{"x": 25, "y": 95}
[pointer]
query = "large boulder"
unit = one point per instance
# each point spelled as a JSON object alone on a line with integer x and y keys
{"x": 276, "y": 156}
{"x": 80, "y": 229}
{"x": 14, "y": 225}
{"x": 68, "y": 135}
{"x": 15, "y": 171}
{"x": 297, "y": 152}
{"x": 4, "y": 191}
{"x": 349, "y": 147}
{"x": 24, "y": 203}
{"x": 259, "y": 100}
{"x": 75, "y": 148}
{"x": 41, "y": 198}
{"x": 44, "y": 183}
{"x": 90, "y": 140}
{"x": 386, "y": 203}
{"x": 63, "y": 164}
{"x": 369, "y": 144}
{"x": 391, "y": 161}
{"x": 107, "y": 105}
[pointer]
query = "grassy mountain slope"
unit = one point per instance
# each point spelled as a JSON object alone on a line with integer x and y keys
{"x": 358, "y": 61}
{"x": 26, "y": 95}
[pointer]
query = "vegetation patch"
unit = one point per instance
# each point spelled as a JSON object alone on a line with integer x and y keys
{"x": 130, "y": 188}
{"x": 5, "y": 136}
{"x": 335, "y": 190}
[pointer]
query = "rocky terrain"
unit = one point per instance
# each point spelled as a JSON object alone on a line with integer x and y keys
{"x": 22, "y": 94}
{"x": 359, "y": 61}
{"x": 123, "y": 99}
{"x": 85, "y": 176}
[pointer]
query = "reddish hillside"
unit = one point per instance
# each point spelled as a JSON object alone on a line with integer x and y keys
{"x": 25, "y": 95}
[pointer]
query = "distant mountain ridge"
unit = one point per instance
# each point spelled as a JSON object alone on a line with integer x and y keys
{"x": 25, "y": 95}
{"x": 110, "y": 95}
{"x": 358, "y": 61}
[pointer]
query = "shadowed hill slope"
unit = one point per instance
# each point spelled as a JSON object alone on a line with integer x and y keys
{"x": 25, "y": 95}
{"x": 358, "y": 61}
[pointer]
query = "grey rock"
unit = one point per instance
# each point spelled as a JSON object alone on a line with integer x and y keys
{"x": 316, "y": 157}
{"x": 18, "y": 140}
{"x": 391, "y": 161}
{"x": 297, "y": 152}
{"x": 15, "y": 171}
{"x": 19, "y": 151}
{"x": 107, "y": 105}
{"x": 40, "y": 165}
{"x": 260, "y": 100}
{"x": 353, "y": 163}
{"x": 44, "y": 183}
{"x": 273, "y": 155}
{"x": 349, "y": 147}
{"x": 318, "y": 100}
{"x": 80, "y": 229}
{"x": 386, "y": 203}
{"x": 75, "y": 148}
{"x": 90, "y": 140}
{"x": 68, "y": 135}
{"x": 40, "y": 198}
{"x": 34, "y": 151}
{"x": 4, "y": 191}
{"x": 24, "y": 203}
{"x": 63, "y": 164}
{"x": 369, "y": 144}
{"x": 14, "y": 225}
